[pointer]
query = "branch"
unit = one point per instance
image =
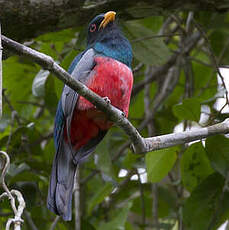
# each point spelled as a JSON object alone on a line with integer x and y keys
{"x": 169, "y": 140}
{"x": 17, "y": 220}
{"x": 141, "y": 144}
{"x": 48, "y": 63}
{"x": 24, "y": 19}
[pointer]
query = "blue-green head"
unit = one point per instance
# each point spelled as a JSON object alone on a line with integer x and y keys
{"x": 107, "y": 39}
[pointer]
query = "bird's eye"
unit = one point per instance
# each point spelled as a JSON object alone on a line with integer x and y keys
{"x": 92, "y": 28}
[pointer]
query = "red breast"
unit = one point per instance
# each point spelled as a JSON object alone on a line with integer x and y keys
{"x": 112, "y": 79}
{"x": 109, "y": 78}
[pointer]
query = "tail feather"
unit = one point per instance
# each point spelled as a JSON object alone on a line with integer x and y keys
{"x": 64, "y": 166}
{"x": 61, "y": 183}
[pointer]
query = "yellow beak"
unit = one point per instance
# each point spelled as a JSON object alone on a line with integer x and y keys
{"x": 108, "y": 17}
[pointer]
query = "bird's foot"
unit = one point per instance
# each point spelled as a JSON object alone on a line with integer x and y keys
{"x": 107, "y": 100}
{"x": 123, "y": 114}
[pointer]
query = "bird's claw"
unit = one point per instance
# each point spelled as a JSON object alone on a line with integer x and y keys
{"x": 123, "y": 114}
{"x": 107, "y": 100}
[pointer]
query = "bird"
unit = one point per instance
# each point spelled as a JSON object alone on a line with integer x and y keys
{"x": 105, "y": 68}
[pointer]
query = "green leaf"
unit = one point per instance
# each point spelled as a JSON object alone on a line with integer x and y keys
{"x": 195, "y": 166}
{"x": 104, "y": 160}
{"x": 65, "y": 64}
{"x": 159, "y": 163}
{"x": 137, "y": 205}
{"x": 38, "y": 87}
{"x": 18, "y": 79}
{"x": 51, "y": 99}
{"x": 203, "y": 75}
{"x": 218, "y": 40}
{"x": 153, "y": 23}
{"x": 207, "y": 207}
{"x": 137, "y": 106}
{"x": 99, "y": 196}
{"x": 68, "y": 59}
{"x": 164, "y": 201}
{"x": 27, "y": 176}
{"x": 16, "y": 169}
{"x": 163, "y": 117}
{"x": 217, "y": 149}
{"x": 150, "y": 51}
{"x": 130, "y": 159}
{"x": 118, "y": 222}
{"x": 59, "y": 85}
{"x": 177, "y": 94}
{"x": 128, "y": 226}
{"x": 188, "y": 110}
{"x": 86, "y": 225}
{"x": 59, "y": 36}
{"x": 30, "y": 192}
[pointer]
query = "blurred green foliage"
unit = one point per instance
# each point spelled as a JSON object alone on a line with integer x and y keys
{"x": 190, "y": 178}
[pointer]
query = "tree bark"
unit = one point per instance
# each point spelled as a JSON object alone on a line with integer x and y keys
{"x": 26, "y": 19}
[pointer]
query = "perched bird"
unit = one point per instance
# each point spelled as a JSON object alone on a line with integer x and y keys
{"x": 105, "y": 68}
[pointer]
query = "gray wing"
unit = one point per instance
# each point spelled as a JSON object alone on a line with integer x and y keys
{"x": 59, "y": 198}
{"x": 69, "y": 96}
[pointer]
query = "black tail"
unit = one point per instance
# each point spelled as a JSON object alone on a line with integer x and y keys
{"x": 61, "y": 183}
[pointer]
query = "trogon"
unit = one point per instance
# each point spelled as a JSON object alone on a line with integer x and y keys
{"x": 105, "y": 68}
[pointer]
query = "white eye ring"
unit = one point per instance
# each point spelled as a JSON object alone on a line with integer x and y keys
{"x": 92, "y": 28}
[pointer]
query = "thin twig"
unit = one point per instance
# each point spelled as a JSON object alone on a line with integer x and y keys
{"x": 122, "y": 148}
{"x": 199, "y": 61}
{"x": 223, "y": 52}
{"x": 219, "y": 205}
{"x": 213, "y": 58}
{"x": 155, "y": 205}
{"x": 168, "y": 86}
{"x": 55, "y": 223}
{"x": 17, "y": 118}
{"x": 90, "y": 176}
{"x": 30, "y": 221}
{"x": 2, "y": 179}
{"x": 138, "y": 67}
{"x": 77, "y": 199}
{"x": 179, "y": 23}
{"x": 121, "y": 185}
{"x": 17, "y": 220}
{"x": 13, "y": 115}
{"x": 155, "y": 36}
{"x": 157, "y": 71}
{"x": 142, "y": 201}
{"x": 189, "y": 78}
{"x": 189, "y": 24}
{"x": 31, "y": 103}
